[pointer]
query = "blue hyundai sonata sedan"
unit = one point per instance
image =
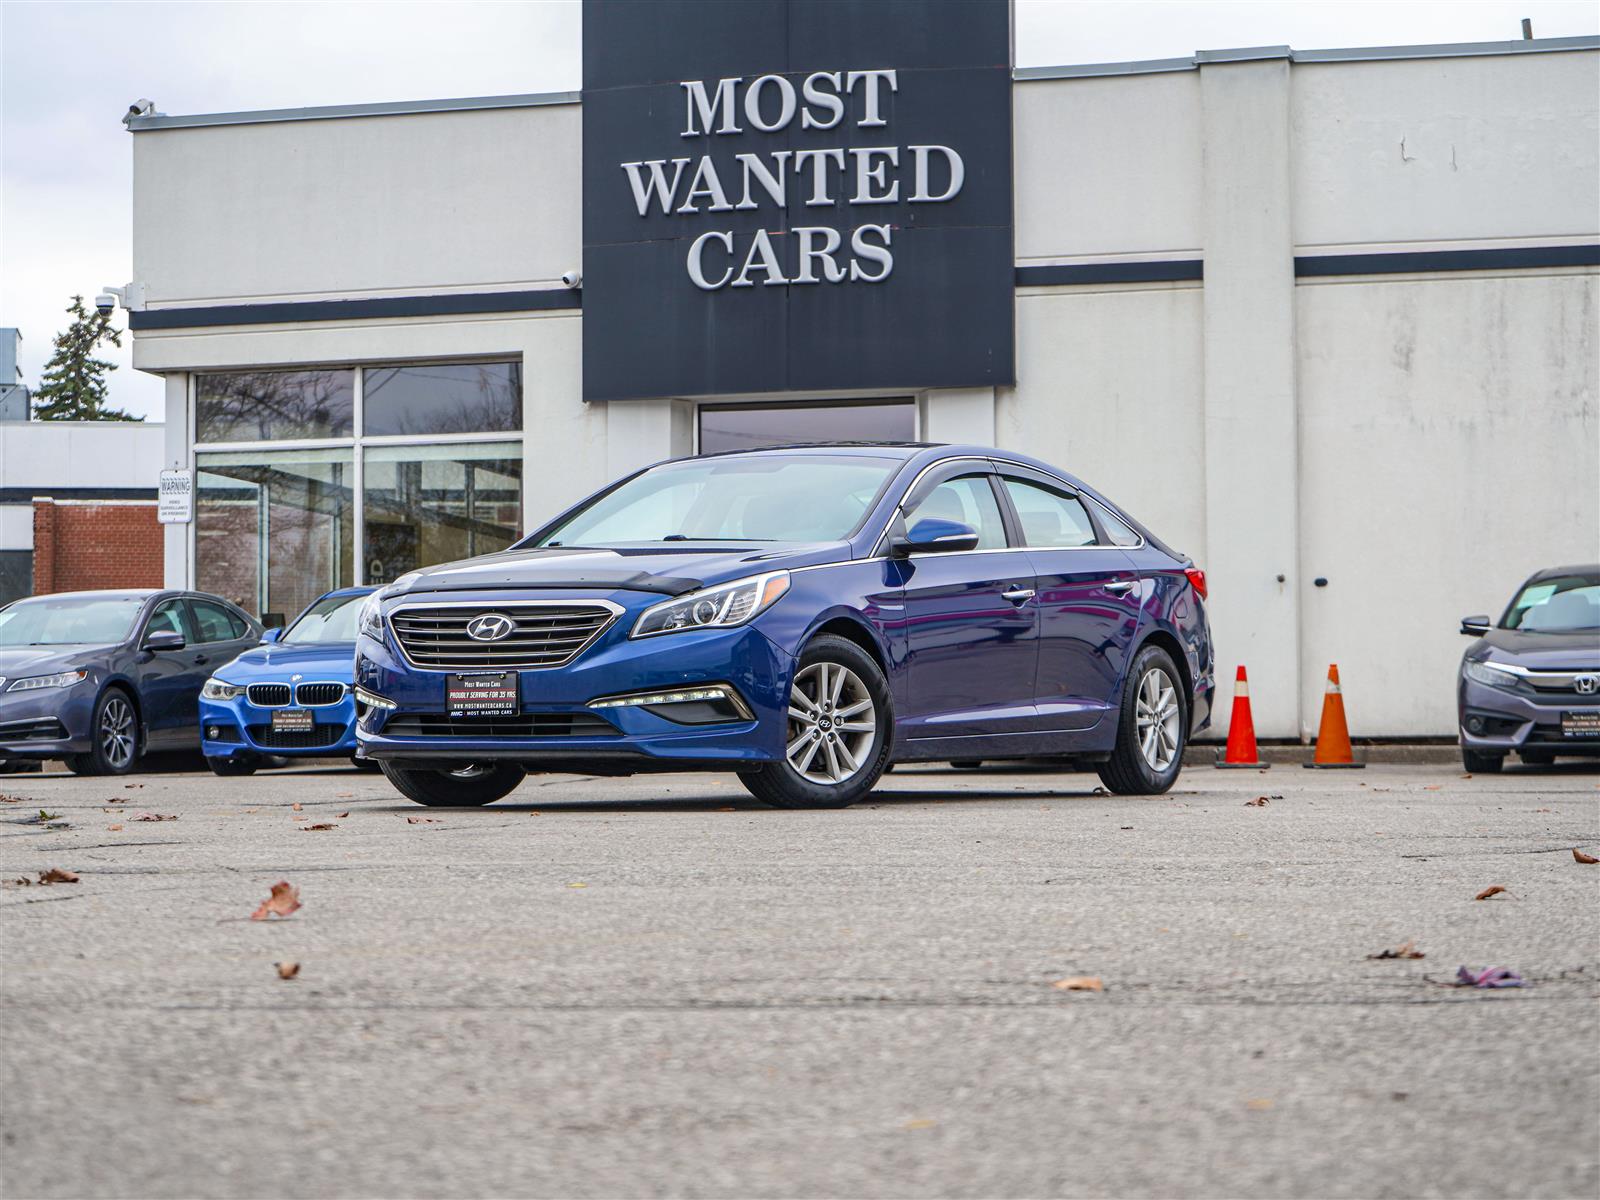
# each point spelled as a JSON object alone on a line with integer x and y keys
{"x": 289, "y": 696}
{"x": 803, "y": 617}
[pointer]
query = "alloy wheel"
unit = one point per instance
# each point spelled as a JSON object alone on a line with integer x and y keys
{"x": 1158, "y": 717}
{"x": 116, "y": 733}
{"x": 832, "y": 722}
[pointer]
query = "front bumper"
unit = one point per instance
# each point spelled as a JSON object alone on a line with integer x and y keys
{"x": 47, "y": 723}
{"x": 230, "y": 728}
{"x": 1514, "y": 722}
{"x": 610, "y": 739}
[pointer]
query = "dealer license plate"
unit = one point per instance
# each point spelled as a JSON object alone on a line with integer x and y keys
{"x": 291, "y": 720}
{"x": 487, "y": 695}
{"x": 1581, "y": 724}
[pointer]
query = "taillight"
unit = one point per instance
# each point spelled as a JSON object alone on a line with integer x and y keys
{"x": 1197, "y": 580}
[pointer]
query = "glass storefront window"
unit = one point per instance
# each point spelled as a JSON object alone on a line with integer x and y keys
{"x": 270, "y": 406}
{"x": 442, "y": 398}
{"x": 274, "y": 528}
{"x": 431, "y": 504}
{"x": 753, "y": 426}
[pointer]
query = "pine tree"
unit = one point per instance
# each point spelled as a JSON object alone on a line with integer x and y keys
{"x": 73, "y": 386}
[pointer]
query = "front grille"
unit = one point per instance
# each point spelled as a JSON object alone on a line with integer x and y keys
{"x": 542, "y": 635}
{"x": 40, "y": 729}
{"x": 268, "y": 695}
{"x": 522, "y": 726}
{"x": 315, "y": 695}
{"x": 318, "y": 735}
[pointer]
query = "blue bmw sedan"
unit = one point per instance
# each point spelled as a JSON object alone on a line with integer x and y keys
{"x": 803, "y": 617}
{"x": 289, "y": 696}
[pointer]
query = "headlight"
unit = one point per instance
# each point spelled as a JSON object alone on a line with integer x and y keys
{"x": 221, "y": 689}
{"x": 372, "y": 699}
{"x": 718, "y": 607}
{"x": 1490, "y": 675}
{"x": 59, "y": 679}
{"x": 371, "y": 620}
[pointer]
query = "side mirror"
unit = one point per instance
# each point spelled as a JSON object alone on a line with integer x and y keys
{"x": 1475, "y": 626}
{"x": 163, "y": 639}
{"x": 933, "y": 535}
{"x": 271, "y": 635}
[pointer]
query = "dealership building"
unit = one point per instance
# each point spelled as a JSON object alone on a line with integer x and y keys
{"x": 1325, "y": 320}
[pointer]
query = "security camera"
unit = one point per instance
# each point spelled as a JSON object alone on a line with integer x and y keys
{"x": 572, "y": 279}
{"x": 105, "y": 304}
{"x": 142, "y": 108}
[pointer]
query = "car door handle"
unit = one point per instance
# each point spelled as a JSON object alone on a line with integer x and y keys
{"x": 1122, "y": 586}
{"x": 1019, "y": 595}
{"x": 200, "y": 660}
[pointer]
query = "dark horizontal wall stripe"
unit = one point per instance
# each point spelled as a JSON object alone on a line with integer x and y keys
{"x": 288, "y": 312}
{"x": 25, "y": 495}
{"x": 1112, "y": 272}
{"x": 1510, "y": 258}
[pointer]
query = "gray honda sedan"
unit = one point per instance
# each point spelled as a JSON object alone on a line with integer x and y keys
{"x": 1531, "y": 683}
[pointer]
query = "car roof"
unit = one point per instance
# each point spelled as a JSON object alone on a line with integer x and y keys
{"x": 104, "y": 593}
{"x": 1591, "y": 569}
{"x": 852, "y": 449}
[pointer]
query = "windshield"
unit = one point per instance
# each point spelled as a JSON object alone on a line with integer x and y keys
{"x": 1565, "y": 604}
{"x": 69, "y": 621}
{"x": 746, "y": 498}
{"x": 331, "y": 619}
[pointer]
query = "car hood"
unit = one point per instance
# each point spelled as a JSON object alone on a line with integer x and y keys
{"x": 330, "y": 661}
{"x": 1548, "y": 650}
{"x": 17, "y": 661}
{"x": 670, "y": 570}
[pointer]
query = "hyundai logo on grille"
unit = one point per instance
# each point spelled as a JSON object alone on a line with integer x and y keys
{"x": 490, "y": 627}
{"x": 1586, "y": 685}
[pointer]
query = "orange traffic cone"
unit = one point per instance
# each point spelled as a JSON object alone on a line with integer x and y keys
{"x": 1241, "y": 750}
{"x": 1333, "y": 739}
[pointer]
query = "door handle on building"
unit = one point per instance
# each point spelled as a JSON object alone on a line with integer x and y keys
{"x": 1019, "y": 595}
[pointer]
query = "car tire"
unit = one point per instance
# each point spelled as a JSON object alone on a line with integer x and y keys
{"x": 1481, "y": 764}
{"x": 1537, "y": 758}
{"x": 470, "y": 785}
{"x": 365, "y": 764}
{"x": 230, "y": 767}
{"x": 833, "y": 676}
{"x": 113, "y": 737}
{"x": 1147, "y": 758}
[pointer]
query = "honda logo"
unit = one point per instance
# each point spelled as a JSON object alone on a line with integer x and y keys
{"x": 1586, "y": 685}
{"x": 490, "y": 627}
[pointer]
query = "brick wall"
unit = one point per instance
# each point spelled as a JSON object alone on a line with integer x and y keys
{"x": 84, "y": 544}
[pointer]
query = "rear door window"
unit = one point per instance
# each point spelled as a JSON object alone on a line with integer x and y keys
{"x": 1050, "y": 519}
{"x": 215, "y": 623}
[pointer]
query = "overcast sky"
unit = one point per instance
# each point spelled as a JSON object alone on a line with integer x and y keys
{"x": 69, "y": 70}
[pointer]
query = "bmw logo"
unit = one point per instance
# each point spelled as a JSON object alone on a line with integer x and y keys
{"x": 490, "y": 627}
{"x": 1586, "y": 685}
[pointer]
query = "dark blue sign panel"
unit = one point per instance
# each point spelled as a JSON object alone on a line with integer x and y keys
{"x": 795, "y": 195}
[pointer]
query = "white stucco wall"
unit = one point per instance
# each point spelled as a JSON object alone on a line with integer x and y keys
{"x": 44, "y": 457}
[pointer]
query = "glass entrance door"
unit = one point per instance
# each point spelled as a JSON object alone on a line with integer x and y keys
{"x": 726, "y": 427}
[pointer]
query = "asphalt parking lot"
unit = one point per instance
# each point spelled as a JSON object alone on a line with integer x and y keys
{"x": 656, "y": 986}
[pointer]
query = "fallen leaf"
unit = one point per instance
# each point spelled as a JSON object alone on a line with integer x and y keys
{"x": 1079, "y": 983}
{"x": 1489, "y": 977}
{"x": 150, "y": 816}
{"x": 57, "y": 875}
{"x": 1403, "y": 950}
{"x": 1489, "y": 891}
{"x": 1580, "y": 856}
{"x": 132, "y": 785}
{"x": 919, "y": 1123}
{"x": 249, "y": 810}
{"x": 114, "y": 828}
{"x": 295, "y": 806}
{"x": 117, "y": 800}
{"x": 1432, "y": 787}
{"x": 287, "y": 970}
{"x": 422, "y": 820}
{"x": 577, "y": 885}
{"x": 284, "y": 900}
{"x": 536, "y": 813}
{"x": 300, "y": 817}
{"x": 343, "y": 795}
{"x": 1258, "y": 802}
{"x": 21, "y": 881}
{"x": 48, "y": 816}
{"x": 728, "y": 809}
{"x": 1124, "y": 826}
{"x": 1258, "y": 1105}
{"x": 318, "y": 825}
{"x": 4, "y": 799}
{"x": 342, "y": 815}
